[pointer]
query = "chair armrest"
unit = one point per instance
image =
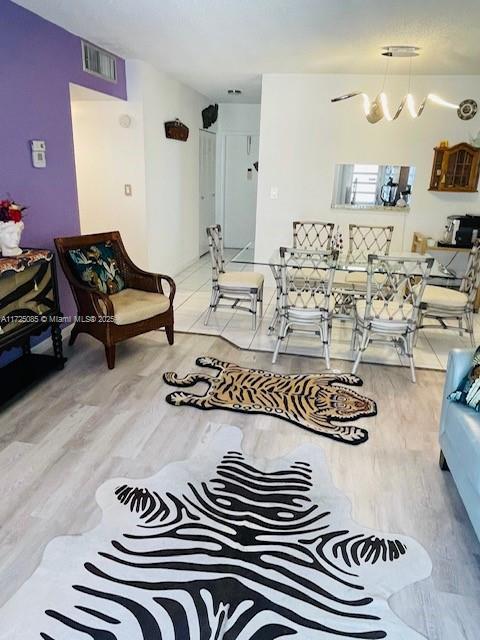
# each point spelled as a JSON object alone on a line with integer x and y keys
{"x": 171, "y": 284}
{"x": 89, "y": 299}
{"x": 459, "y": 362}
{"x": 146, "y": 281}
{"x": 136, "y": 278}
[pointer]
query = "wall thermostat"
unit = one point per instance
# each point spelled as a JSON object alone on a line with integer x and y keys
{"x": 39, "y": 157}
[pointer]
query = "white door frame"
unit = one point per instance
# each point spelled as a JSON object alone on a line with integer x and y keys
{"x": 202, "y": 230}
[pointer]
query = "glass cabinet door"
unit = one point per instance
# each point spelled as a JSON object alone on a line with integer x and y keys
{"x": 459, "y": 169}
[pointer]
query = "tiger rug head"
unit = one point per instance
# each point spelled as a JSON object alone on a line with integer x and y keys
{"x": 312, "y": 401}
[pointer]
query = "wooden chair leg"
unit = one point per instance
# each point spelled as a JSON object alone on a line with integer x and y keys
{"x": 73, "y": 334}
{"x": 170, "y": 333}
{"x": 110, "y": 353}
{"x": 57, "y": 345}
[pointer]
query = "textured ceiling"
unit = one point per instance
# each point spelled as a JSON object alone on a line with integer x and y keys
{"x": 216, "y": 44}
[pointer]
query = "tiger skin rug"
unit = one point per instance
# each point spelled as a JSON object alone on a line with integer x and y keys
{"x": 220, "y": 547}
{"x": 311, "y": 400}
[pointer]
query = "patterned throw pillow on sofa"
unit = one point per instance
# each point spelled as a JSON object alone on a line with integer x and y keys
{"x": 469, "y": 390}
{"x": 97, "y": 267}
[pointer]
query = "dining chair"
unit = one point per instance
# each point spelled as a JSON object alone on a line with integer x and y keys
{"x": 391, "y": 308}
{"x": 316, "y": 236}
{"x": 363, "y": 240}
{"x": 313, "y": 235}
{"x": 442, "y": 303}
{"x": 305, "y": 287}
{"x": 237, "y": 286}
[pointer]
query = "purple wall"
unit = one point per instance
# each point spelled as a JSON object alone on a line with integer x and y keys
{"x": 38, "y": 60}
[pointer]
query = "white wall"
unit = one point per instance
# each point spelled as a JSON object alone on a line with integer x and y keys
{"x": 171, "y": 167}
{"x": 159, "y": 222}
{"x": 303, "y": 136}
{"x": 240, "y": 118}
{"x": 108, "y": 156}
{"x": 232, "y": 118}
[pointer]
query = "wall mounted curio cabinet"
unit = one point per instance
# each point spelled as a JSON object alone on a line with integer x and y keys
{"x": 455, "y": 168}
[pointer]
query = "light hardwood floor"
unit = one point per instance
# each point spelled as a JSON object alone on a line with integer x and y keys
{"x": 87, "y": 424}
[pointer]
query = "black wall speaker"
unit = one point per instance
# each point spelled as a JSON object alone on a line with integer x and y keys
{"x": 209, "y": 115}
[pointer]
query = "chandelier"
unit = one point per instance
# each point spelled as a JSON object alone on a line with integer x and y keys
{"x": 379, "y": 108}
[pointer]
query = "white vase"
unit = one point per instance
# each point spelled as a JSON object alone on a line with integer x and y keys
{"x": 10, "y": 234}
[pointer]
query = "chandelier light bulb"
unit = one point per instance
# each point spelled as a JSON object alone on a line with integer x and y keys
{"x": 411, "y": 106}
{"x": 386, "y": 111}
{"x": 366, "y": 103}
{"x": 440, "y": 101}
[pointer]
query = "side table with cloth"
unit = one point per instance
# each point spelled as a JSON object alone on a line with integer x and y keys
{"x": 29, "y": 305}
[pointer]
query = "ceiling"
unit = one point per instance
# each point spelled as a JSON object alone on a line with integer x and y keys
{"x": 213, "y": 45}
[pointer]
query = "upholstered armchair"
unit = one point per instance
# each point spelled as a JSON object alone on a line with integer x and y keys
{"x": 115, "y": 299}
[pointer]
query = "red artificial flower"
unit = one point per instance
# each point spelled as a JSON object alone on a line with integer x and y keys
{"x": 15, "y": 215}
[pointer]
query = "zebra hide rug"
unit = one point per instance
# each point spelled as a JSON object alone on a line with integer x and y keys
{"x": 220, "y": 547}
{"x": 309, "y": 400}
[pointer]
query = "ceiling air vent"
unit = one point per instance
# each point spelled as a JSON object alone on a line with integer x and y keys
{"x": 99, "y": 62}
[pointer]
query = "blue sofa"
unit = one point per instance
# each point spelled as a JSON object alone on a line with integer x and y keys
{"x": 460, "y": 437}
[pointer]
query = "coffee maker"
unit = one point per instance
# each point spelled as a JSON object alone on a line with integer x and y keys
{"x": 461, "y": 231}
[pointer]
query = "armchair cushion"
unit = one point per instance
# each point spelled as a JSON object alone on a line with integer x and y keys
{"x": 134, "y": 305}
{"x": 468, "y": 392}
{"x": 96, "y": 266}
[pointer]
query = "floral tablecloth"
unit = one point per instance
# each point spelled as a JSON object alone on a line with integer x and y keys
{"x": 26, "y": 259}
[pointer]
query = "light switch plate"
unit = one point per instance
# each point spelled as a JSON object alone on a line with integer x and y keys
{"x": 274, "y": 193}
{"x": 38, "y": 145}
{"x": 128, "y": 189}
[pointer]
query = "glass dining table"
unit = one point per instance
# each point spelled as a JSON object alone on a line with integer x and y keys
{"x": 248, "y": 256}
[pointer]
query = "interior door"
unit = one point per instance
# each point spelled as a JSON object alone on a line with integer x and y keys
{"x": 241, "y": 151}
{"x": 207, "y": 186}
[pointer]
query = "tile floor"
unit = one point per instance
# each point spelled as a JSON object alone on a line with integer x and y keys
{"x": 193, "y": 297}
